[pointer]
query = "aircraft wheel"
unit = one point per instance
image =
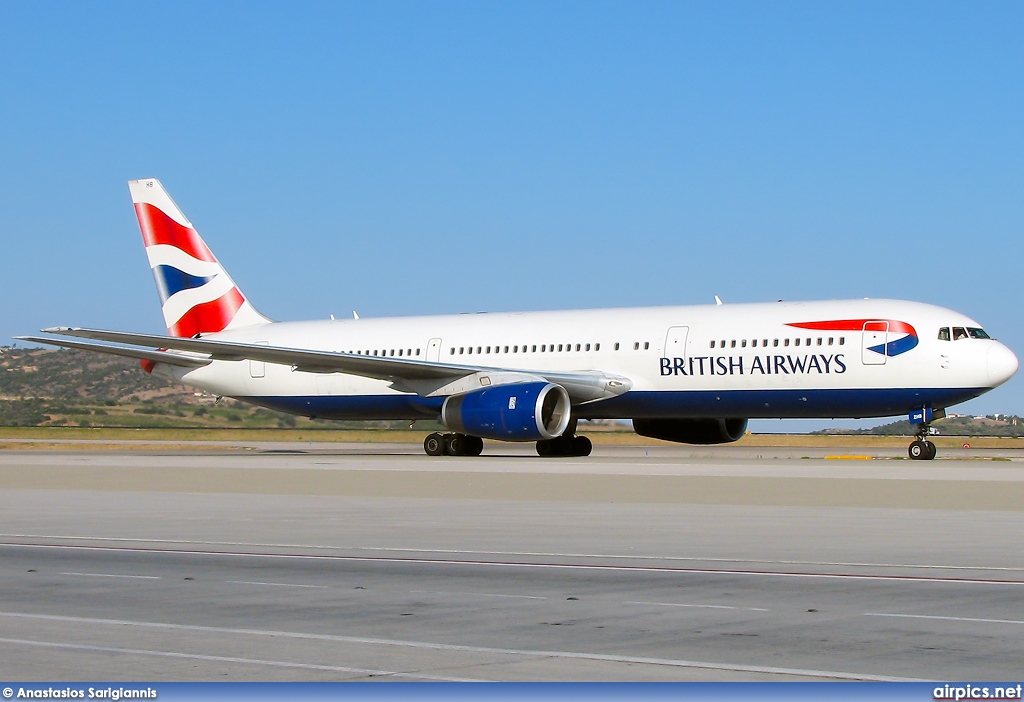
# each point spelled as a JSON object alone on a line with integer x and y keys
{"x": 582, "y": 446}
{"x": 455, "y": 444}
{"x": 474, "y": 446}
{"x": 544, "y": 448}
{"x": 930, "y": 450}
{"x": 434, "y": 445}
{"x": 917, "y": 451}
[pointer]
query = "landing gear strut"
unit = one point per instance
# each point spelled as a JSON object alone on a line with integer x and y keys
{"x": 453, "y": 445}
{"x": 921, "y": 449}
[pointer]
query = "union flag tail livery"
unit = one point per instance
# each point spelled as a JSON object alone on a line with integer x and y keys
{"x": 197, "y": 295}
{"x": 692, "y": 374}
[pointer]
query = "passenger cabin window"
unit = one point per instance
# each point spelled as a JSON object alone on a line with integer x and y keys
{"x": 647, "y": 345}
{"x": 712, "y": 343}
{"x": 944, "y": 334}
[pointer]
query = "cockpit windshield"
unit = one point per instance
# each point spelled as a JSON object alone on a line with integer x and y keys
{"x": 957, "y": 333}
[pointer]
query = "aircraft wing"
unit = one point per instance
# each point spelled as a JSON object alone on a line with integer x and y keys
{"x": 422, "y": 377}
{"x": 174, "y": 359}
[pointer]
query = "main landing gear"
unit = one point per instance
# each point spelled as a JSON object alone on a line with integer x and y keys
{"x": 465, "y": 445}
{"x": 565, "y": 446}
{"x": 921, "y": 449}
{"x": 453, "y": 445}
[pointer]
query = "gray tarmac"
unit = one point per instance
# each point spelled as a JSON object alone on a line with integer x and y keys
{"x": 296, "y": 562}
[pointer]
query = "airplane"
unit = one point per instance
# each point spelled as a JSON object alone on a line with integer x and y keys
{"x": 692, "y": 374}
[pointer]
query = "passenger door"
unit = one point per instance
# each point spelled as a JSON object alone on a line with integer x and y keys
{"x": 434, "y": 350}
{"x": 675, "y": 342}
{"x": 875, "y": 334}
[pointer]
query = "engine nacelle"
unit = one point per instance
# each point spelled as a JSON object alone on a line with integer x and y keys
{"x": 692, "y": 431}
{"x": 516, "y": 412}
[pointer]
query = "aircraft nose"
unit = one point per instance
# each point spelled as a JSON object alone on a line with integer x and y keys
{"x": 1002, "y": 364}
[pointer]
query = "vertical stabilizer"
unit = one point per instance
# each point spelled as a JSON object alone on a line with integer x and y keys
{"x": 196, "y": 293}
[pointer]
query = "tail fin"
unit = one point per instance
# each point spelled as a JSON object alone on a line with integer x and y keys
{"x": 197, "y": 294}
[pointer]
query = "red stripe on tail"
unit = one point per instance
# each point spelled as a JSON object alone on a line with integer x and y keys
{"x": 158, "y": 228}
{"x": 208, "y": 317}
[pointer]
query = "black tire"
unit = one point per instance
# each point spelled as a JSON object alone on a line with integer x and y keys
{"x": 433, "y": 445}
{"x": 930, "y": 451}
{"x": 455, "y": 444}
{"x": 545, "y": 448}
{"x": 474, "y": 446}
{"x": 582, "y": 446}
{"x": 917, "y": 451}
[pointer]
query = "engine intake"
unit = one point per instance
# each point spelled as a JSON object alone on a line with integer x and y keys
{"x": 692, "y": 431}
{"x": 516, "y": 412}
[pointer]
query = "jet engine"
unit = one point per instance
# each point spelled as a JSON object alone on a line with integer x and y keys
{"x": 692, "y": 431}
{"x": 515, "y": 412}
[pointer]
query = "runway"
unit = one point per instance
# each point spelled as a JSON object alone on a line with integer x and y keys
{"x": 349, "y": 563}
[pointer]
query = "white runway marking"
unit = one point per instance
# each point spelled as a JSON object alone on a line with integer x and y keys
{"x": 947, "y": 619}
{"x": 697, "y": 606}
{"x": 115, "y": 575}
{"x": 232, "y": 659}
{"x": 518, "y": 564}
{"x": 575, "y": 655}
{"x": 476, "y": 594}
{"x": 532, "y": 554}
{"x": 253, "y": 582}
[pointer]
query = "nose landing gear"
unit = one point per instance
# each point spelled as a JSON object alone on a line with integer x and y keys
{"x": 921, "y": 449}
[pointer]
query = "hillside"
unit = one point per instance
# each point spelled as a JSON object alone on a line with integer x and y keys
{"x": 42, "y": 387}
{"x": 997, "y": 425}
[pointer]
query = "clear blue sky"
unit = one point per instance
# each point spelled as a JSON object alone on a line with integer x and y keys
{"x": 429, "y": 157}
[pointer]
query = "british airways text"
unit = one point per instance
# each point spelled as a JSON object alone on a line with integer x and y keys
{"x": 763, "y": 365}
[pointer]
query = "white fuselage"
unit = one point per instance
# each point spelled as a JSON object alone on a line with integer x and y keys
{"x": 734, "y": 360}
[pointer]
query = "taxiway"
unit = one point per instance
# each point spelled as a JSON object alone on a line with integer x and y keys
{"x": 325, "y": 563}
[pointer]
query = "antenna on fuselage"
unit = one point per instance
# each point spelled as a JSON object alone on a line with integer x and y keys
{"x": 718, "y": 300}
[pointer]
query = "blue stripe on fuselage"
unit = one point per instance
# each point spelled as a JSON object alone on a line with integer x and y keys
{"x": 895, "y": 348}
{"x": 751, "y": 404}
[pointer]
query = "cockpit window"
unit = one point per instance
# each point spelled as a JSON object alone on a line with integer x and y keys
{"x": 976, "y": 333}
{"x": 944, "y": 334}
{"x": 959, "y": 333}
